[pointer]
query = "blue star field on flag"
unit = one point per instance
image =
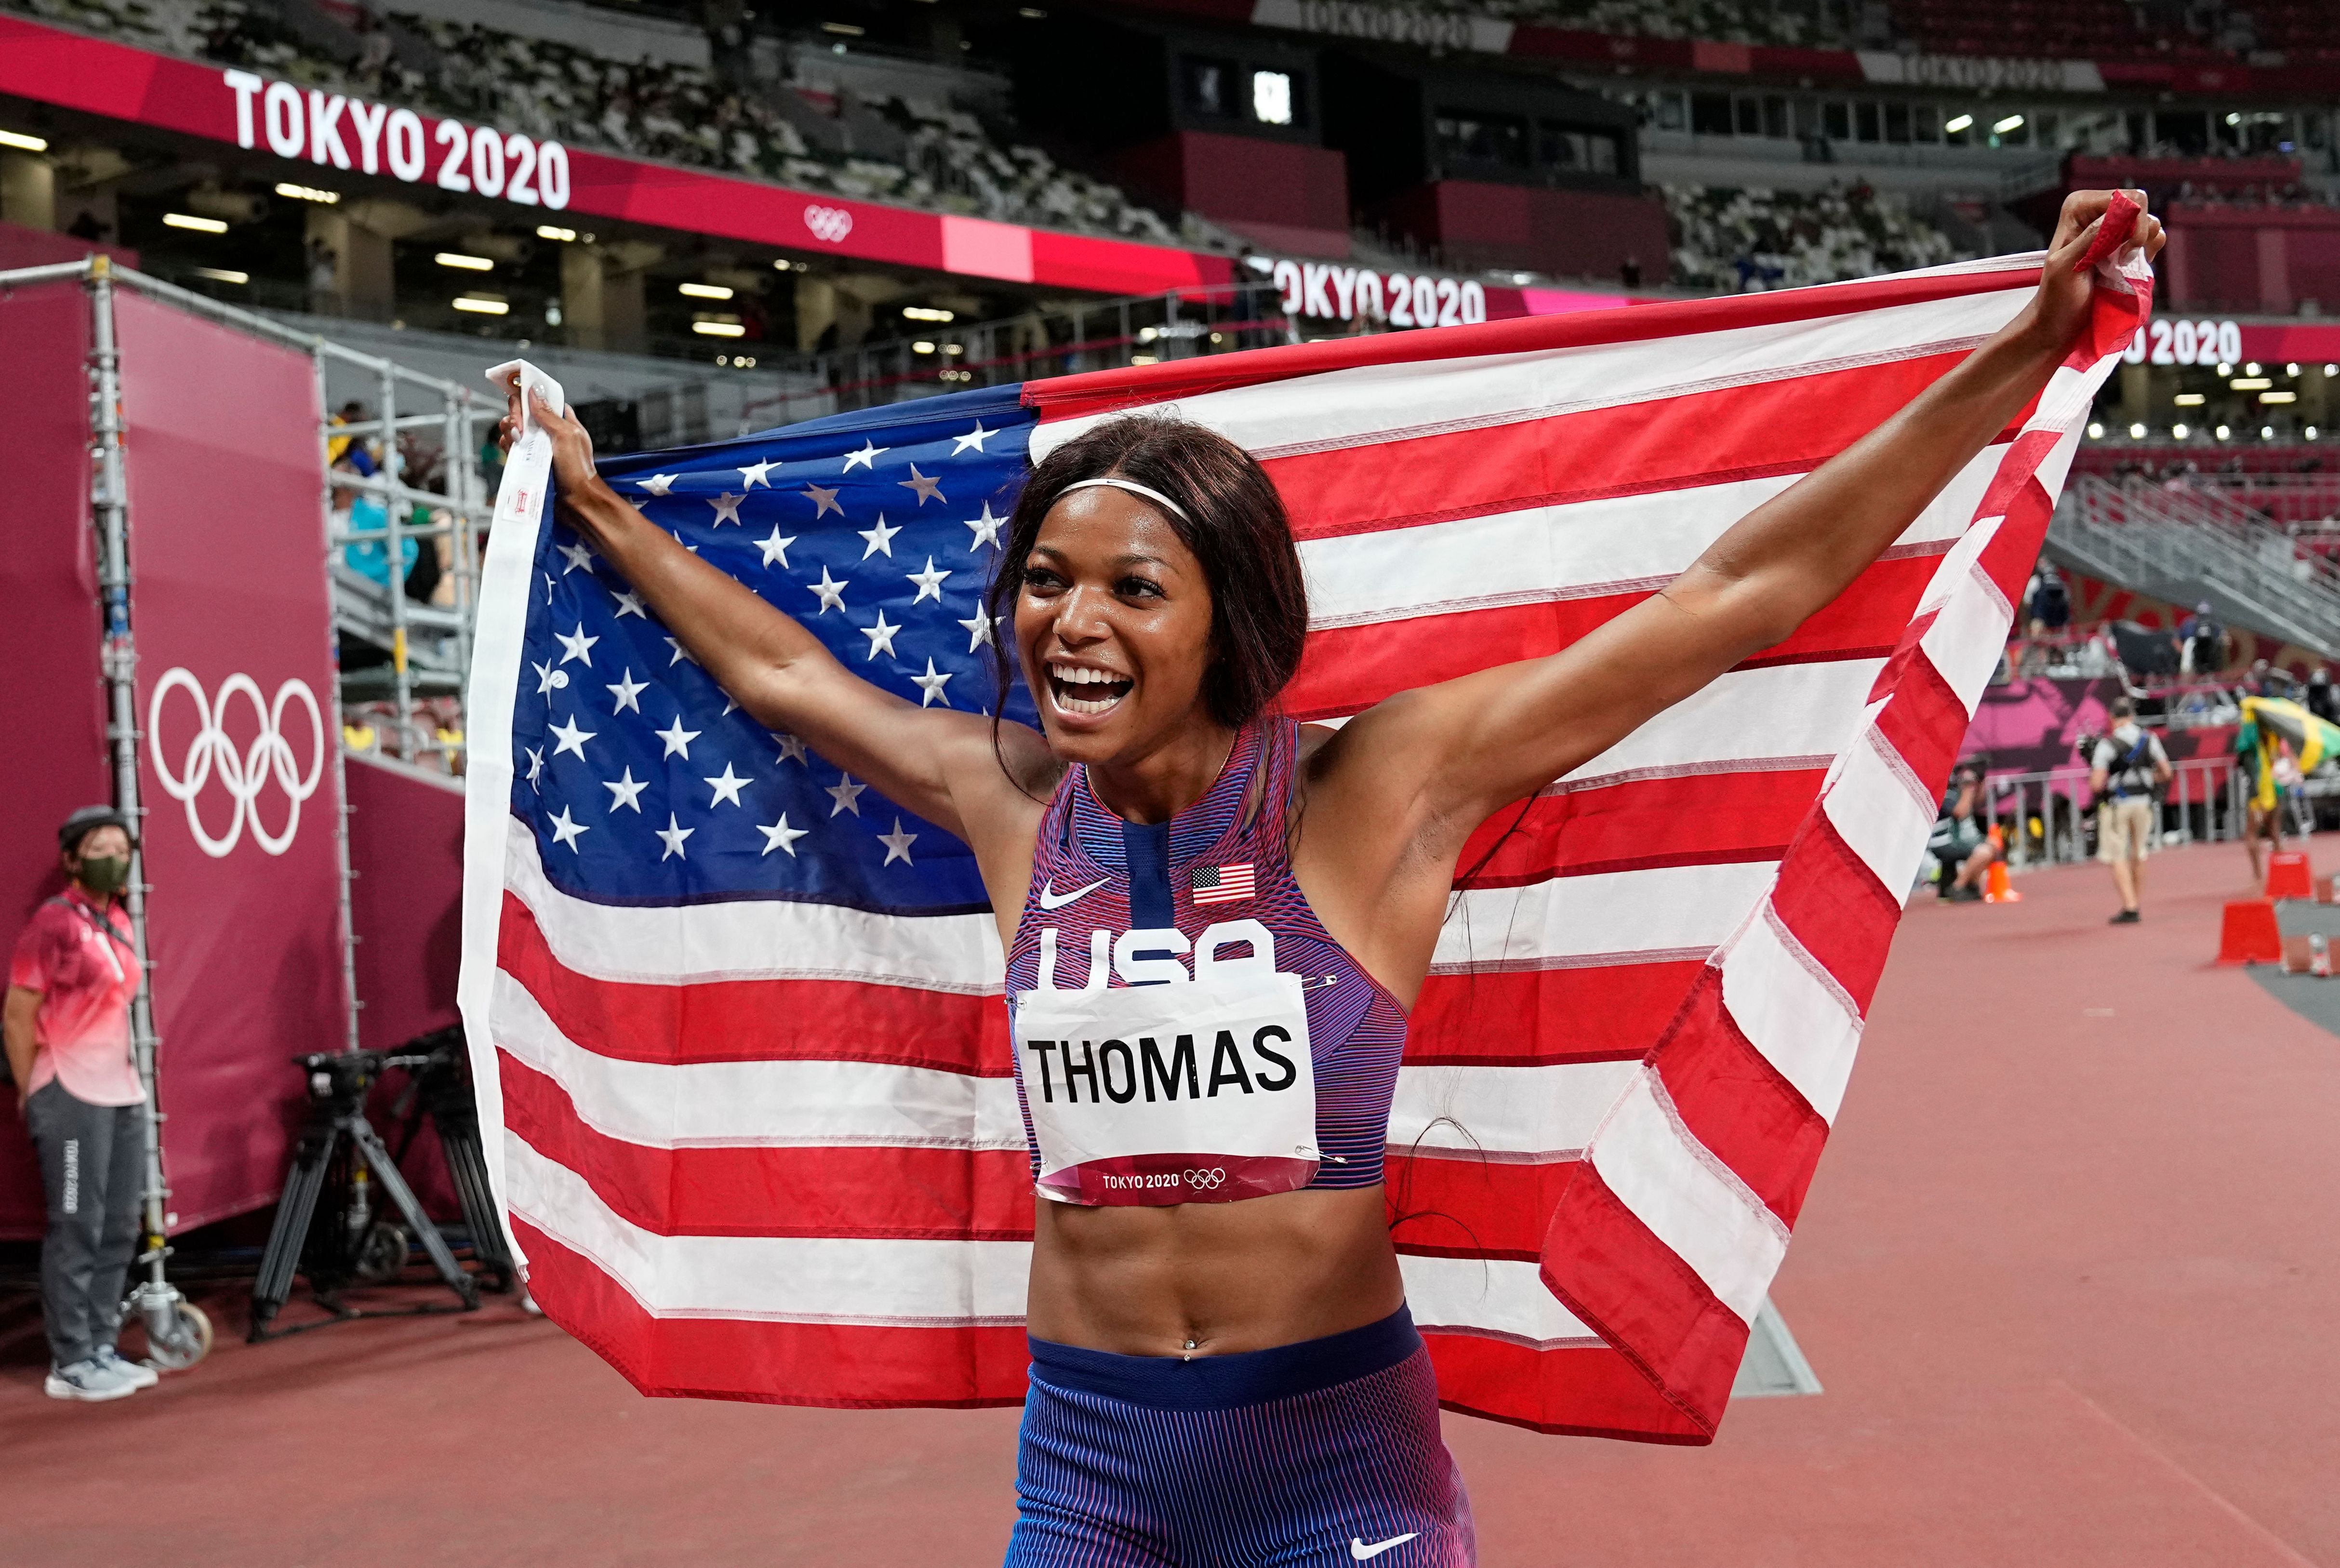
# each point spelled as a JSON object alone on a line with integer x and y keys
{"x": 878, "y": 531}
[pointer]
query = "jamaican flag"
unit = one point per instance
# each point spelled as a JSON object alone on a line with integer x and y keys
{"x": 2269, "y": 722}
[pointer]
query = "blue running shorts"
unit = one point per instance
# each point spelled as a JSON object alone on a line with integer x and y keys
{"x": 1322, "y": 1453}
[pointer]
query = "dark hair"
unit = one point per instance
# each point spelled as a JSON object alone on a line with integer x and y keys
{"x": 1235, "y": 524}
{"x": 2123, "y": 708}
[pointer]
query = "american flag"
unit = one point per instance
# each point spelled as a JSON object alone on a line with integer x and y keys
{"x": 737, "y": 1016}
{"x": 1223, "y": 884}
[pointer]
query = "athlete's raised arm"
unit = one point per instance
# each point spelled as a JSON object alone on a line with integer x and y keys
{"x": 1461, "y": 750}
{"x": 939, "y": 763}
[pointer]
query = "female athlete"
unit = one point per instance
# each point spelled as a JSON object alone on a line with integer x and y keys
{"x": 1216, "y": 919}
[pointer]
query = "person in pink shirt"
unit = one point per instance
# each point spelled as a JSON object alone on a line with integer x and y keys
{"x": 66, "y": 1021}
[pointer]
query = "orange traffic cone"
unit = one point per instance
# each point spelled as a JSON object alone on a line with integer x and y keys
{"x": 2249, "y": 934}
{"x": 1995, "y": 887}
{"x": 2289, "y": 876}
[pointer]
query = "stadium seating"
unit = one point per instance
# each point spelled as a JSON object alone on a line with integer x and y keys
{"x": 1717, "y": 21}
{"x": 948, "y": 162}
{"x": 1733, "y": 240}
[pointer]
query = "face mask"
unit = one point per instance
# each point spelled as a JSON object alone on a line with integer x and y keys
{"x": 103, "y": 874}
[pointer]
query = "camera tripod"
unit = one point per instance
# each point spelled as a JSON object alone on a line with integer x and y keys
{"x": 340, "y": 1141}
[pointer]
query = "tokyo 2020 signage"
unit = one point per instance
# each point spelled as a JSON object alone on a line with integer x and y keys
{"x": 334, "y": 131}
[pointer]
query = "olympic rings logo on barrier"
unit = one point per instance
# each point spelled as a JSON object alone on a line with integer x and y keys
{"x": 829, "y": 223}
{"x": 1204, "y": 1180}
{"x": 244, "y": 776}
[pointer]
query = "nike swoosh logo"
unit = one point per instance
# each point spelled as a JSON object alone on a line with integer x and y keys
{"x": 1362, "y": 1552}
{"x": 1054, "y": 900}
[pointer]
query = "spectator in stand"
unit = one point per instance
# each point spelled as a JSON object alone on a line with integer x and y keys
{"x": 2049, "y": 602}
{"x": 66, "y": 1022}
{"x": 324, "y": 271}
{"x": 2204, "y": 643}
{"x": 2268, "y": 680}
{"x": 2320, "y": 699}
{"x": 1960, "y": 842}
{"x": 2126, "y": 776}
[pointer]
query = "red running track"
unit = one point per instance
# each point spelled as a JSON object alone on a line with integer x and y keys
{"x": 2068, "y": 1273}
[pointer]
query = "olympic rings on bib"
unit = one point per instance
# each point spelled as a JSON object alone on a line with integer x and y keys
{"x": 1204, "y": 1180}
{"x": 244, "y": 776}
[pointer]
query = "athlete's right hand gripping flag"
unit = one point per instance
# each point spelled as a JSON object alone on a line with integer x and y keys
{"x": 736, "y": 1020}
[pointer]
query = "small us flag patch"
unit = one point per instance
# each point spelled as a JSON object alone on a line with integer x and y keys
{"x": 1222, "y": 884}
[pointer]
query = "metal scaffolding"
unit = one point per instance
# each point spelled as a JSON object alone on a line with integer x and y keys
{"x": 425, "y": 650}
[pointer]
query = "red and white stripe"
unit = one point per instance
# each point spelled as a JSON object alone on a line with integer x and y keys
{"x": 772, "y": 1150}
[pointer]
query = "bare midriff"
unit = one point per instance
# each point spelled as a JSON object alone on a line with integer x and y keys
{"x": 1212, "y": 1278}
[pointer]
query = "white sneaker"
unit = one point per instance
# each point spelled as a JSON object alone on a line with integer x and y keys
{"x": 88, "y": 1378}
{"x": 139, "y": 1377}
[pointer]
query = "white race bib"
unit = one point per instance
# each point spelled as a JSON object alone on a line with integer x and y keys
{"x": 1199, "y": 1092}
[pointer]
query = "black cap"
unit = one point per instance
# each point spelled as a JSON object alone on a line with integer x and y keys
{"x": 86, "y": 820}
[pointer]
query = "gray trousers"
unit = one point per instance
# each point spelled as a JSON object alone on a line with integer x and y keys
{"x": 93, "y": 1159}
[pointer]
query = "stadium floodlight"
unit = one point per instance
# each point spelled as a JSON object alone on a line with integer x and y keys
{"x": 2096, "y": 431}
{"x": 2266, "y": 433}
{"x": 2224, "y": 432}
{"x": 2249, "y": 383}
{"x": 480, "y": 306}
{"x": 704, "y": 291}
{"x": 926, "y": 314}
{"x": 2251, "y": 369}
{"x": 2179, "y": 430}
{"x": 2225, "y": 369}
{"x": 189, "y": 221}
{"x": 1960, "y": 124}
{"x": 2332, "y": 369}
{"x": 2009, "y": 124}
{"x": 2278, "y": 397}
{"x": 2137, "y": 433}
{"x": 467, "y": 264}
{"x": 922, "y": 347}
{"x": 555, "y": 232}
{"x": 222, "y": 275}
{"x": 2233, "y": 119}
{"x": 23, "y": 142}
{"x": 2291, "y": 370}
{"x": 1271, "y": 97}
{"x": 307, "y": 193}
{"x": 2188, "y": 400}
{"x": 2309, "y": 433}
{"x": 708, "y": 329}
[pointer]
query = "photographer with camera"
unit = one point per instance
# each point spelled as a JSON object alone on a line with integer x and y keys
{"x": 68, "y": 1026}
{"x": 2127, "y": 775}
{"x": 1959, "y": 842}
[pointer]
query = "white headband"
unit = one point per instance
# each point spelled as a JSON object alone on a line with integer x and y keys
{"x": 1135, "y": 489}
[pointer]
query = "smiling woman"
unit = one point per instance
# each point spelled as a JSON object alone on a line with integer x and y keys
{"x": 1215, "y": 918}
{"x": 1115, "y": 486}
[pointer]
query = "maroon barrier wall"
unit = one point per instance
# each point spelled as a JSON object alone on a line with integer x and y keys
{"x": 52, "y": 692}
{"x": 24, "y": 247}
{"x": 232, "y": 616}
{"x": 406, "y": 846}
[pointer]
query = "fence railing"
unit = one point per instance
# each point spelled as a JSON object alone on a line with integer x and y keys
{"x": 2044, "y": 817}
